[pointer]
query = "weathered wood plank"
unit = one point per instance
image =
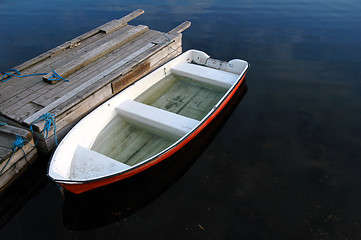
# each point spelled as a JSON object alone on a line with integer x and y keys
{"x": 125, "y": 81}
{"x": 43, "y": 94}
{"x": 142, "y": 69}
{"x": 16, "y": 156}
{"x": 32, "y": 84}
{"x": 93, "y": 69}
{"x": 172, "y": 33}
{"x": 16, "y": 94}
{"x": 74, "y": 42}
{"x": 39, "y": 102}
{"x": 6, "y": 142}
{"x": 16, "y": 169}
{"x": 119, "y": 23}
{"x": 180, "y": 28}
{"x": 96, "y": 53}
{"x": 12, "y": 131}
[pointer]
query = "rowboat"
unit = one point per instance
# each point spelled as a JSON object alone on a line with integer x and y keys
{"x": 149, "y": 122}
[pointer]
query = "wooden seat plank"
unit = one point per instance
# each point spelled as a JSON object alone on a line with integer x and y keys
{"x": 208, "y": 75}
{"x": 156, "y": 118}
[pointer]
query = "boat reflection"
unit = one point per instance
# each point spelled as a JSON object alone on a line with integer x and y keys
{"x": 119, "y": 200}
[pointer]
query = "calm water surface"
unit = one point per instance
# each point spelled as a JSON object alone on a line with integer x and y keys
{"x": 286, "y": 165}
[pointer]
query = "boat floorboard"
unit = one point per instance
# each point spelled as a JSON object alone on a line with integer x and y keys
{"x": 184, "y": 97}
{"x": 127, "y": 143}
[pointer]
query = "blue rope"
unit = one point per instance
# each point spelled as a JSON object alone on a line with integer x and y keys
{"x": 57, "y": 77}
{"x": 49, "y": 121}
{"x": 2, "y": 123}
{"x": 18, "y": 143}
{"x": 9, "y": 73}
{"x": 166, "y": 43}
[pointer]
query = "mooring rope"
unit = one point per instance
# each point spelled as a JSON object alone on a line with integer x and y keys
{"x": 15, "y": 73}
{"x": 167, "y": 43}
{"x": 18, "y": 143}
{"x": 56, "y": 77}
{"x": 49, "y": 121}
{"x": 8, "y": 74}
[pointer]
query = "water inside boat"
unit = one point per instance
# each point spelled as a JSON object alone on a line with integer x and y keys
{"x": 131, "y": 143}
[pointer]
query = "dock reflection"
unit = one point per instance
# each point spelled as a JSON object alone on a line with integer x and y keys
{"x": 28, "y": 185}
{"x": 119, "y": 200}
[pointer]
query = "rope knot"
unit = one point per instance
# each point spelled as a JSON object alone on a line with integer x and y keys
{"x": 57, "y": 77}
{"x": 19, "y": 142}
{"x": 49, "y": 122}
{"x": 8, "y": 74}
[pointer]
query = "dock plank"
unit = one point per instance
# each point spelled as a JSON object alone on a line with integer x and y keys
{"x": 77, "y": 40}
{"x": 96, "y": 53}
{"x": 34, "y": 84}
{"x": 93, "y": 69}
{"x": 45, "y": 93}
{"x": 119, "y": 23}
{"x": 4, "y": 153}
{"x": 16, "y": 169}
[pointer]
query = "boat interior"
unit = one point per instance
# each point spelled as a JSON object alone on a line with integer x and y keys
{"x": 163, "y": 114}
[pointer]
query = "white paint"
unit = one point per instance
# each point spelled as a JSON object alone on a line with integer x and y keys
{"x": 162, "y": 120}
{"x": 88, "y": 164}
{"x": 237, "y": 66}
{"x": 204, "y": 74}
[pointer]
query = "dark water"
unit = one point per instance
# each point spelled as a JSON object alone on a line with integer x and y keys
{"x": 286, "y": 165}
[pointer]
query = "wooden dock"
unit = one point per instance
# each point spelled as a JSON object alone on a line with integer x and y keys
{"x": 14, "y": 160}
{"x": 97, "y": 65}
